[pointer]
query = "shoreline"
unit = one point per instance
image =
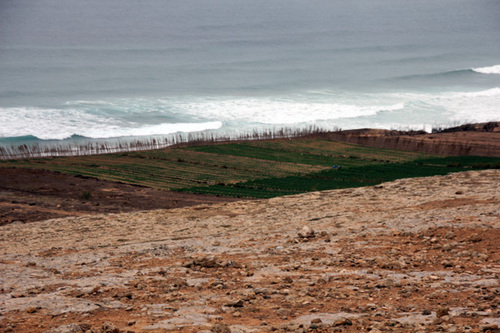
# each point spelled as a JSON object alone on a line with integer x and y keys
{"x": 30, "y": 195}
{"x": 406, "y": 255}
{"x": 477, "y": 139}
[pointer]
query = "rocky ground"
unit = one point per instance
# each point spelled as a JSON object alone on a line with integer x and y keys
{"x": 413, "y": 255}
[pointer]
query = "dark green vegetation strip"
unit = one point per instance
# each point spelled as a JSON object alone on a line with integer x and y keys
{"x": 259, "y": 169}
{"x": 348, "y": 177}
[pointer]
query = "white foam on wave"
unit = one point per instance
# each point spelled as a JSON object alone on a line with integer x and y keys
{"x": 445, "y": 107}
{"x": 225, "y": 115}
{"x": 488, "y": 70}
{"x": 98, "y": 102}
{"x": 483, "y": 93}
{"x": 48, "y": 124}
{"x": 152, "y": 130}
{"x": 476, "y": 106}
{"x": 279, "y": 111}
{"x": 60, "y": 124}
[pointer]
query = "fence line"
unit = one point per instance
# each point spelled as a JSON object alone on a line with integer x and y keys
{"x": 115, "y": 146}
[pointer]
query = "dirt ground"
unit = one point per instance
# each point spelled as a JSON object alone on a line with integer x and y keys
{"x": 28, "y": 195}
{"x": 412, "y": 255}
{"x": 474, "y": 139}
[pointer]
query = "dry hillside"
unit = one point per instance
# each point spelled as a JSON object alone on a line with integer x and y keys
{"x": 413, "y": 255}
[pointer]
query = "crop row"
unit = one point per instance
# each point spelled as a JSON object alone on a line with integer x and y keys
{"x": 258, "y": 169}
{"x": 338, "y": 149}
{"x": 300, "y": 154}
{"x": 329, "y": 179}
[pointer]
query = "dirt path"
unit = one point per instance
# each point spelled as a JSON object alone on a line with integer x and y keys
{"x": 413, "y": 255}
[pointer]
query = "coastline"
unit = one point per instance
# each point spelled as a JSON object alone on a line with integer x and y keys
{"x": 402, "y": 256}
{"x": 479, "y": 139}
{"x": 30, "y": 195}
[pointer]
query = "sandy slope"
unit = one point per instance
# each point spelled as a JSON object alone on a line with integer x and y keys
{"x": 410, "y": 255}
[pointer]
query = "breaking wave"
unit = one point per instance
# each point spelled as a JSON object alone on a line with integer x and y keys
{"x": 488, "y": 70}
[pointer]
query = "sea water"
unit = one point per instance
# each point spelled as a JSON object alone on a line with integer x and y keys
{"x": 118, "y": 69}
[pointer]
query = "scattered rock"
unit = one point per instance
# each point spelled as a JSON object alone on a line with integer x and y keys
{"x": 382, "y": 272}
{"x": 207, "y": 262}
{"x": 442, "y": 311}
{"x": 489, "y": 328}
{"x": 283, "y": 312}
{"x": 475, "y": 238}
{"x": 342, "y": 322}
{"x": 108, "y": 327}
{"x": 70, "y": 328}
{"x": 220, "y": 328}
{"x": 306, "y": 232}
{"x": 236, "y": 304}
{"x": 32, "y": 309}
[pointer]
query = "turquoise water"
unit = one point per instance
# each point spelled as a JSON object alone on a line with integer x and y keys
{"x": 112, "y": 69}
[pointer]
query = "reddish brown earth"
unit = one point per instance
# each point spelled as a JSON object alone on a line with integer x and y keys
{"x": 473, "y": 140}
{"x": 28, "y": 195}
{"x": 413, "y": 255}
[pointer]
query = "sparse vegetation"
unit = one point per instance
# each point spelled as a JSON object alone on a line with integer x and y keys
{"x": 257, "y": 169}
{"x": 86, "y": 196}
{"x": 480, "y": 127}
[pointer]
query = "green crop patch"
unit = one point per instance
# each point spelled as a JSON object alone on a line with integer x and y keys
{"x": 475, "y": 162}
{"x": 348, "y": 177}
{"x": 336, "y": 149}
{"x": 258, "y": 169}
{"x": 326, "y": 180}
{"x": 268, "y": 154}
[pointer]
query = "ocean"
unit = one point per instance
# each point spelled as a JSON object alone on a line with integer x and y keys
{"x": 73, "y": 70}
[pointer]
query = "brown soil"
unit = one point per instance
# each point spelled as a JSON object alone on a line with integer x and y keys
{"x": 28, "y": 195}
{"x": 413, "y": 255}
{"x": 472, "y": 140}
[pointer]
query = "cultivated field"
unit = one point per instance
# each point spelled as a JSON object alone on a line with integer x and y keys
{"x": 257, "y": 169}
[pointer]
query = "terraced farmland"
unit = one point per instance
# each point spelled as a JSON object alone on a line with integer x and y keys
{"x": 258, "y": 169}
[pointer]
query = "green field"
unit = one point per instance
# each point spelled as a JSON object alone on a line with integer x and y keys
{"x": 258, "y": 169}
